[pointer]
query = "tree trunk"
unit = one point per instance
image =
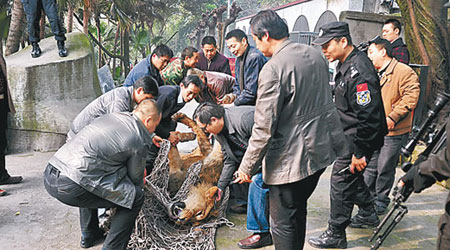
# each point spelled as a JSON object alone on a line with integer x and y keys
{"x": 86, "y": 16}
{"x": 15, "y": 28}
{"x": 126, "y": 51}
{"x": 427, "y": 37}
{"x": 116, "y": 39}
{"x": 42, "y": 26}
{"x": 99, "y": 37}
{"x": 69, "y": 18}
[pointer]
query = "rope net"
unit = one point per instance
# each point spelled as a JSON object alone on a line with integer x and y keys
{"x": 154, "y": 229}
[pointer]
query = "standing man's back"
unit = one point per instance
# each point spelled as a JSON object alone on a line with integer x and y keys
{"x": 297, "y": 131}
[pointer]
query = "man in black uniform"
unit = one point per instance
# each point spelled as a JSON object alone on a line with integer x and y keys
{"x": 425, "y": 174}
{"x": 33, "y": 10}
{"x": 360, "y": 107}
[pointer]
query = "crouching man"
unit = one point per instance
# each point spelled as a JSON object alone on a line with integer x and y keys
{"x": 103, "y": 167}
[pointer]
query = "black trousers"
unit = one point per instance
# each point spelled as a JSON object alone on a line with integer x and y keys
{"x": 347, "y": 190}
{"x": 3, "y": 143}
{"x": 72, "y": 194}
{"x": 33, "y": 10}
{"x": 287, "y": 205}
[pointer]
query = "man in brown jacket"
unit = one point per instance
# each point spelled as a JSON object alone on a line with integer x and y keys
{"x": 297, "y": 131}
{"x": 400, "y": 92}
{"x": 216, "y": 85}
{"x": 6, "y": 106}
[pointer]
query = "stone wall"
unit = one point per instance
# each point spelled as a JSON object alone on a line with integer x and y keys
{"x": 48, "y": 92}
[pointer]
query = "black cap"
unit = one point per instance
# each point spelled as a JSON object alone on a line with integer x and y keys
{"x": 386, "y": 43}
{"x": 331, "y": 30}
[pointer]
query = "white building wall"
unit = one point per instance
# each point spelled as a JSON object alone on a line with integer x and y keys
{"x": 312, "y": 10}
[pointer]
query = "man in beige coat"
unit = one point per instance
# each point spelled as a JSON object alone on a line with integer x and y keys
{"x": 400, "y": 92}
{"x": 6, "y": 106}
{"x": 297, "y": 130}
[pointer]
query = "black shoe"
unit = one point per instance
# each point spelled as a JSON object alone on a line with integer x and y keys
{"x": 365, "y": 218}
{"x": 11, "y": 180}
{"x": 36, "y": 50}
{"x": 62, "y": 51}
{"x": 380, "y": 209}
{"x": 89, "y": 242}
{"x": 331, "y": 238}
{"x": 256, "y": 240}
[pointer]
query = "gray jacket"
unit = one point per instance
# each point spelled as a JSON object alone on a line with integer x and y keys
{"x": 107, "y": 157}
{"x": 297, "y": 130}
{"x": 238, "y": 121}
{"x": 116, "y": 100}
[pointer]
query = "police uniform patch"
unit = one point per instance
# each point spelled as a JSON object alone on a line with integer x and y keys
{"x": 353, "y": 71}
{"x": 362, "y": 94}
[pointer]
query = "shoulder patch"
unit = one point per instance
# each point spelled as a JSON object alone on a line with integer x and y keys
{"x": 362, "y": 94}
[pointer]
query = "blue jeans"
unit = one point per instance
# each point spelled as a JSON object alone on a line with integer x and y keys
{"x": 257, "y": 209}
{"x": 380, "y": 172}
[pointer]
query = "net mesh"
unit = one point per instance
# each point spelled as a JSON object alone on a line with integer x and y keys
{"x": 154, "y": 228}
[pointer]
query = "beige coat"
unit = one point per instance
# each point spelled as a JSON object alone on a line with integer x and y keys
{"x": 297, "y": 130}
{"x": 400, "y": 91}
{"x": 3, "y": 68}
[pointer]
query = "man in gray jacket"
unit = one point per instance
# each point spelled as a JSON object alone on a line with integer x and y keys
{"x": 103, "y": 167}
{"x": 232, "y": 127}
{"x": 117, "y": 100}
{"x": 297, "y": 132}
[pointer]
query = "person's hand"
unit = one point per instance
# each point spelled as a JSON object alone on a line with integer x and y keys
{"x": 228, "y": 99}
{"x": 390, "y": 123}
{"x": 219, "y": 195}
{"x": 173, "y": 138}
{"x": 157, "y": 140}
{"x": 358, "y": 164}
{"x": 241, "y": 177}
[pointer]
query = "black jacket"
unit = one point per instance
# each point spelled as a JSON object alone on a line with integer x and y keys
{"x": 168, "y": 104}
{"x": 359, "y": 103}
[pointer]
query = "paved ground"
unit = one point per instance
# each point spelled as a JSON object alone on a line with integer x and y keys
{"x": 31, "y": 219}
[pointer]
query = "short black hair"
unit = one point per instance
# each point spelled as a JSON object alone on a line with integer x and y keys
{"x": 163, "y": 50}
{"x": 396, "y": 23}
{"x": 238, "y": 34}
{"x": 188, "y": 51}
{"x": 382, "y": 44}
{"x": 209, "y": 40}
{"x": 148, "y": 84}
{"x": 192, "y": 79}
{"x": 268, "y": 21}
{"x": 349, "y": 39}
{"x": 205, "y": 111}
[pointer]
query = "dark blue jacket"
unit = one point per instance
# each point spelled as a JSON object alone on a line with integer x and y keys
{"x": 253, "y": 64}
{"x": 143, "y": 68}
{"x": 167, "y": 103}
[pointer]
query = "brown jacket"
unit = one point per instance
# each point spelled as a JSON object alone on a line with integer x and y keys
{"x": 297, "y": 129}
{"x": 400, "y": 90}
{"x": 3, "y": 68}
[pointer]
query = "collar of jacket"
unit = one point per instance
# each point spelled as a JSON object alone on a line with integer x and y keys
{"x": 343, "y": 67}
{"x": 389, "y": 71}
{"x": 281, "y": 46}
{"x": 397, "y": 43}
{"x": 147, "y": 135}
{"x": 130, "y": 91}
{"x": 227, "y": 122}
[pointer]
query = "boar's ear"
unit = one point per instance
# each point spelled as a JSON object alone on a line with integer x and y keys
{"x": 211, "y": 192}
